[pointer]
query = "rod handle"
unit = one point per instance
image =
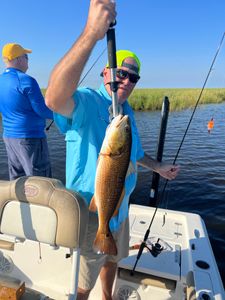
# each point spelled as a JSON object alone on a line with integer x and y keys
{"x": 111, "y": 45}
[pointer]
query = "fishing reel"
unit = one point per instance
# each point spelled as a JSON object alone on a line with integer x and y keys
{"x": 157, "y": 245}
{"x": 154, "y": 245}
{"x": 154, "y": 248}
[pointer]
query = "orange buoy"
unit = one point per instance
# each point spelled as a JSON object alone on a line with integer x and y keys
{"x": 210, "y": 125}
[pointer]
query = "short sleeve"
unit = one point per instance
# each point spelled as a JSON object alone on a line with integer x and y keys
{"x": 81, "y": 113}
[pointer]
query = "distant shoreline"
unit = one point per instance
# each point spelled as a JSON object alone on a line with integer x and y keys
{"x": 180, "y": 98}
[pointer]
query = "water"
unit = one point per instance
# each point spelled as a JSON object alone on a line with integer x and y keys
{"x": 200, "y": 186}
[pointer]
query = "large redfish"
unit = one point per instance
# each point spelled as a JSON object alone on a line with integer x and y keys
{"x": 111, "y": 171}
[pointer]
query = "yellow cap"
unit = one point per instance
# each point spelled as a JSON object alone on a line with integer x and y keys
{"x": 12, "y": 51}
{"x": 121, "y": 55}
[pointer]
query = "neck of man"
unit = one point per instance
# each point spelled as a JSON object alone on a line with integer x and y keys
{"x": 14, "y": 64}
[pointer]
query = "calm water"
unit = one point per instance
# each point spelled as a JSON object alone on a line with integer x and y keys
{"x": 200, "y": 186}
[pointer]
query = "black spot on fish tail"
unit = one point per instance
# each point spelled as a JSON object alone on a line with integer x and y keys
{"x": 105, "y": 244}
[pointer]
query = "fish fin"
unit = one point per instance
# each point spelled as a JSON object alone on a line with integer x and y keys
{"x": 104, "y": 243}
{"x": 92, "y": 205}
{"x": 119, "y": 203}
{"x": 131, "y": 169}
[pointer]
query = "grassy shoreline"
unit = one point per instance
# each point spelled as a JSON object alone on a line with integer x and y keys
{"x": 151, "y": 99}
{"x": 180, "y": 98}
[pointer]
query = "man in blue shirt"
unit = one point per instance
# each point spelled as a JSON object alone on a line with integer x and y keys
{"x": 24, "y": 113}
{"x": 83, "y": 115}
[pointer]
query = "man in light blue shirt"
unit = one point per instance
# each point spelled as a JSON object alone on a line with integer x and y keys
{"x": 83, "y": 115}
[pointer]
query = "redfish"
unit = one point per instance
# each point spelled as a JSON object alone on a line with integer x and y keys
{"x": 113, "y": 163}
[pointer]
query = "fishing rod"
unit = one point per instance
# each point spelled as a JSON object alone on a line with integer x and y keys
{"x": 157, "y": 247}
{"x": 111, "y": 45}
{"x": 85, "y": 75}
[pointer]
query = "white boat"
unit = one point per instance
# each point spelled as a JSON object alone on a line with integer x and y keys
{"x": 42, "y": 226}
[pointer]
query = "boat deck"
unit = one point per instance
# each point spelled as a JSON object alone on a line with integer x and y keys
{"x": 185, "y": 267}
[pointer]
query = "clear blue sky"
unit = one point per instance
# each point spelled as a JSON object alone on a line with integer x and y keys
{"x": 175, "y": 40}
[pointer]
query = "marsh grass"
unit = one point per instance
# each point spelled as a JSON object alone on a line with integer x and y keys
{"x": 151, "y": 99}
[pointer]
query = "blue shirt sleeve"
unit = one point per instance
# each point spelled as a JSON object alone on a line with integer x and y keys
{"x": 79, "y": 115}
{"x": 32, "y": 90}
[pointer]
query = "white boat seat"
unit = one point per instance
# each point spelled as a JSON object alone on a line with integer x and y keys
{"x": 28, "y": 200}
{"x": 42, "y": 227}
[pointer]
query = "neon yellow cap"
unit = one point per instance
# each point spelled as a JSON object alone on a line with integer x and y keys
{"x": 121, "y": 55}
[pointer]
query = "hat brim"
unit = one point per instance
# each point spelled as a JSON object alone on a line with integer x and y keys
{"x": 27, "y": 50}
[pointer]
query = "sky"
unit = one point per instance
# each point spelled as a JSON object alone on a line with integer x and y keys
{"x": 176, "y": 40}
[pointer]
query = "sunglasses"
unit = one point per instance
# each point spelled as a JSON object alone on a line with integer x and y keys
{"x": 122, "y": 74}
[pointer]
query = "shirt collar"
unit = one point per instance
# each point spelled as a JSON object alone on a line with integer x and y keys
{"x": 11, "y": 69}
{"x": 102, "y": 90}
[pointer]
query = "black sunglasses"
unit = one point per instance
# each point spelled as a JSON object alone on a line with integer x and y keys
{"x": 122, "y": 74}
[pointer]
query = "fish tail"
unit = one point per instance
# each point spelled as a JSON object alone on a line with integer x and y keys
{"x": 104, "y": 243}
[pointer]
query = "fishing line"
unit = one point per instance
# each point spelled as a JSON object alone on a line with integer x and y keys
{"x": 143, "y": 244}
{"x": 92, "y": 66}
{"x": 95, "y": 62}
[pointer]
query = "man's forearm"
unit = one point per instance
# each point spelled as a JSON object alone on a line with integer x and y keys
{"x": 66, "y": 74}
{"x": 148, "y": 162}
